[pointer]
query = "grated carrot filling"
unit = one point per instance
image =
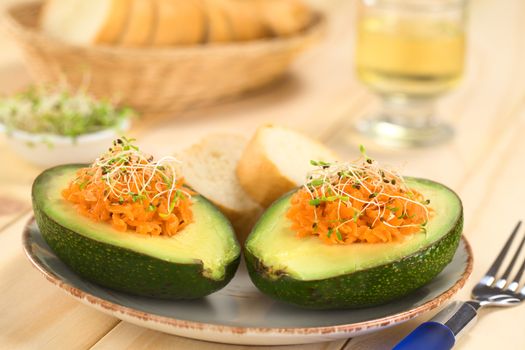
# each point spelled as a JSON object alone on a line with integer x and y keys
{"x": 131, "y": 192}
{"x": 344, "y": 203}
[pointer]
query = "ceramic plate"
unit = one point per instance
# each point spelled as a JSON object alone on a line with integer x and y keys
{"x": 239, "y": 313}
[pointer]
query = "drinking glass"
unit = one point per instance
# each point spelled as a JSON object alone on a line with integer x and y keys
{"x": 409, "y": 52}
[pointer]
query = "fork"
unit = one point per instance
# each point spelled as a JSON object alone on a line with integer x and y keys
{"x": 442, "y": 331}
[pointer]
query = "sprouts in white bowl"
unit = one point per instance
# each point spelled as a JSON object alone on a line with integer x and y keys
{"x": 56, "y": 126}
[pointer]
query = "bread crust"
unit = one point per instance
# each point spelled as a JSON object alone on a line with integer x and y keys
{"x": 141, "y": 24}
{"x": 179, "y": 22}
{"x": 244, "y": 19}
{"x": 115, "y": 23}
{"x": 284, "y": 18}
{"x": 218, "y": 27}
{"x": 259, "y": 176}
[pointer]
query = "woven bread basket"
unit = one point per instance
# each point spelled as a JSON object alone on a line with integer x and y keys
{"x": 156, "y": 80}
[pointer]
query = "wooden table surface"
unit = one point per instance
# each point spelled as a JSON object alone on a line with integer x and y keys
{"x": 485, "y": 164}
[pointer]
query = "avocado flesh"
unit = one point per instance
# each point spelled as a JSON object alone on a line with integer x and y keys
{"x": 283, "y": 265}
{"x": 205, "y": 248}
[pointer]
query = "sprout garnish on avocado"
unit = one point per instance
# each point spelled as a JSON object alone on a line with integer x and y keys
{"x": 360, "y": 201}
{"x": 127, "y": 188}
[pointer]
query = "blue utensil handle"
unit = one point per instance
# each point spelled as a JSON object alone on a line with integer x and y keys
{"x": 441, "y": 332}
{"x": 428, "y": 336}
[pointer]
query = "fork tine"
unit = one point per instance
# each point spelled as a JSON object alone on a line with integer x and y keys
{"x": 503, "y": 279}
{"x": 493, "y": 270}
{"x": 513, "y": 286}
{"x": 513, "y": 261}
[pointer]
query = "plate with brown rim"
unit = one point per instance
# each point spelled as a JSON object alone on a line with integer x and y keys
{"x": 239, "y": 313}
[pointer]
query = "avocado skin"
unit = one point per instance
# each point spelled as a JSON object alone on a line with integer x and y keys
{"x": 365, "y": 288}
{"x": 122, "y": 269}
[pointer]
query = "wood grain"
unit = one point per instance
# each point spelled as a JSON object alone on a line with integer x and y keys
{"x": 131, "y": 337}
{"x": 15, "y": 186}
{"x": 484, "y": 163}
{"x": 36, "y": 314}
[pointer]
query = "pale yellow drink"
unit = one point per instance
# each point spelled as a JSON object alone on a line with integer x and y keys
{"x": 412, "y": 56}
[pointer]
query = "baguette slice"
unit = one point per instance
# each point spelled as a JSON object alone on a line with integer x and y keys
{"x": 245, "y": 20}
{"x": 82, "y": 22}
{"x": 179, "y": 22}
{"x": 276, "y": 161}
{"x": 284, "y": 18}
{"x": 218, "y": 28}
{"x": 209, "y": 168}
{"x": 140, "y": 25}
{"x": 115, "y": 23}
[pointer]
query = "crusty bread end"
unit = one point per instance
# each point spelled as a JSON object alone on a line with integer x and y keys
{"x": 179, "y": 22}
{"x": 277, "y": 160}
{"x": 244, "y": 20}
{"x": 218, "y": 28}
{"x": 115, "y": 22}
{"x": 140, "y": 25}
{"x": 285, "y": 17}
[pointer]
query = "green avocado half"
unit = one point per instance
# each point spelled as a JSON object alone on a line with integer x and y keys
{"x": 200, "y": 259}
{"x": 308, "y": 273}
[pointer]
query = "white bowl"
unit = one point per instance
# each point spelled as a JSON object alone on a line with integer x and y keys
{"x": 48, "y": 150}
